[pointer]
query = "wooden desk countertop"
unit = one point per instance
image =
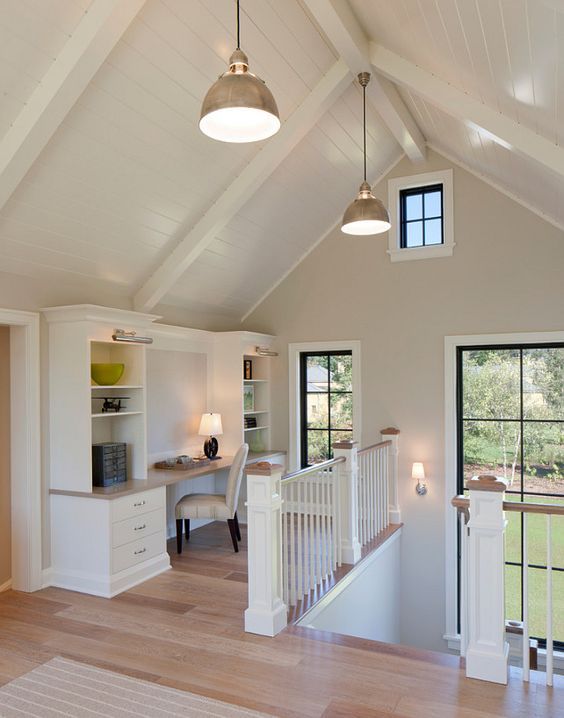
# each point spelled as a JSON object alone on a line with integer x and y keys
{"x": 163, "y": 477}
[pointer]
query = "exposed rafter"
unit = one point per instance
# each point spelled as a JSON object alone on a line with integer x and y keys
{"x": 339, "y": 23}
{"x": 458, "y": 104}
{"x": 263, "y": 164}
{"x": 84, "y": 52}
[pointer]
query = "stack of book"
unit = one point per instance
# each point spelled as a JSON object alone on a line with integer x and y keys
{"x": 250, "y": 422}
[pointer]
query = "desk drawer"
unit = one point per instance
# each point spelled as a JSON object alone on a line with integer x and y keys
{"x": 142, "y": 503}
{"x": 130, "y": 554}
{"x": 137, "y": 527}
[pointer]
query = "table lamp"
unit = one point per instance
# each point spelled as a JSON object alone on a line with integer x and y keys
{"x": 210, "y": 425}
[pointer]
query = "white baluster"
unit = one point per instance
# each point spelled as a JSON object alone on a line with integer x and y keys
{"x": 317, "y": 531}
{"x": 386, "y": 485}
{"x": 285, "y": 586}
{"x": 292, "y": 546}
{"x": 311, "y": 534}
{"x": 299, "y": 509}
{"x": 526, "y": 649}
{"x": 549, "y": 637}
{"x": 463, "y": 584}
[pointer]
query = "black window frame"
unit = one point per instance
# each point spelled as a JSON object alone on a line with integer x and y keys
{"x": 304, "y": 429}
{"x": 422, "y": 191}
{"x": 460, "y": 350}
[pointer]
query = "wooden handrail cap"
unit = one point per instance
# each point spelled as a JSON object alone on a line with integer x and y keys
{"x": 486, "y": 482}
{"x": 390, "y": 431}
{"x": 347, "y": 444}
{"x": 263, "y": 468}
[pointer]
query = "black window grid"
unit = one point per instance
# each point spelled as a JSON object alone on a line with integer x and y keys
{"x": 415, "y": 192}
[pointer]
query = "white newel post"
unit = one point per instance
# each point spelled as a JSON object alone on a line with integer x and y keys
{"x": 487, "y": 651}
{"x": 267, "y": 612}
{"x": 392, "y": 434}
{"x": 348, "y": 491}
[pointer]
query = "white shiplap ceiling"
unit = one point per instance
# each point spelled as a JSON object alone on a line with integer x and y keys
{"x": 127, "y": 177}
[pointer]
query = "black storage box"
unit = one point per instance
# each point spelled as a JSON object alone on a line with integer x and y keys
{"x": 109, "y": 463}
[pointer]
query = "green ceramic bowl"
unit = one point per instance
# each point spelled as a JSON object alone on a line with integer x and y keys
{"x": 106, "y": 374}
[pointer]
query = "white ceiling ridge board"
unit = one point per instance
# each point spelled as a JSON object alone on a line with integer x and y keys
{"x": 240, "y": 191}
{"x": 461, "y": 105}
{"x": 333, "y": 226}
{"x": 83, "y": 54}
{"x": 496, "y": 185}
{"x": 338, "y": 22}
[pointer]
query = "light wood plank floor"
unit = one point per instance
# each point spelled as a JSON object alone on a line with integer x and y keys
{"x": 185, "y": 629}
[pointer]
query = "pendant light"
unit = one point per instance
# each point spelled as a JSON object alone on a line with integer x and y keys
{"x": 239, "y": 107}
{"x": 366, "y": 214}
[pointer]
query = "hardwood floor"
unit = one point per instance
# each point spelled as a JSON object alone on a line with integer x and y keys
{"x": 185, "y": 629}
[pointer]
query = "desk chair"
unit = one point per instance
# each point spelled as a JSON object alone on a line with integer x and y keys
{"x": 214, "y": 506}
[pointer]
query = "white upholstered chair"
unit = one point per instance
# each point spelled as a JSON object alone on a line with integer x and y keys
{"x": 214, "y": 506}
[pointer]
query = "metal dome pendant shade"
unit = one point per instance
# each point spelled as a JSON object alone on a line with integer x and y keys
{"x": 239, "y": 107}
{"x": 366, "y": 214}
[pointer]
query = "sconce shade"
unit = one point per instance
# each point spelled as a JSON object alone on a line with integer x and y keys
{"x": 418, "y": 471}
{"x": 210, "y": 425}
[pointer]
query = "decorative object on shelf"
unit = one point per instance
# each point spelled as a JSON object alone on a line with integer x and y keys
{"x": 109, "y": 463}
{"x": 366, "y": 214}
{"x": 112, "y": 403}
{"x": 248, "y": 398}
{"x": 250, "y": 422}
{"x": 210, "y": 426}
{"x": 265, "y": 352}
{"x": 418, "y": 472}
{"x": 181, "y": 463}
{"x": 120, "y": 335}
{"x": 247, "y": 369}
{"x": 239, "y": 107}
{"x": 106, "y": 374}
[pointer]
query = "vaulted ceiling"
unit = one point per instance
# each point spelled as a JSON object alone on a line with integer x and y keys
{"x": 107, "y": 182}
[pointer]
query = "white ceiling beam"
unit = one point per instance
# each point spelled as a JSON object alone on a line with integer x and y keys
{"x": 338, "y": 22}
{"x": 457, "y": 103}
{"x": 103, "y": 24}
{"x": 240, "y": 191}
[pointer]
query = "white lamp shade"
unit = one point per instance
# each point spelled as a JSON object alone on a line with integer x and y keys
{"x": 418, "y": 471}
{"x": 210, "y": 425}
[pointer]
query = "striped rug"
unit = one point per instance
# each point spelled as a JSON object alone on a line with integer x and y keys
{"x": 66, "y": 688}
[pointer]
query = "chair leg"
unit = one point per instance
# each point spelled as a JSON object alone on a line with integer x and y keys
{"x": 233, "y": 532}
{"x": 187, "y": 529}
{"x": 237, "y": 529}
{"x": 179, "y": 535}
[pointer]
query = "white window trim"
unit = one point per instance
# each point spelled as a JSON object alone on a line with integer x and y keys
{"x": 451, "y": 344}
{"x": 294, "y": 351}
{"x": 397, "y": 254}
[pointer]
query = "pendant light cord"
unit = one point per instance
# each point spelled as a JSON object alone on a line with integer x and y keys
{"x": 238, "y": 30}
{"x": 364, "y": 125}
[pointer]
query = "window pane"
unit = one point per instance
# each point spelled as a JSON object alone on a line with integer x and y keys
{"x": 341, "y": 372}
{"x": 543, "y": 383}
{"x": 537, "y": 603}
{"x": 317, "y": 411}
{"x": 491, "y": 384}
{"x": 493, "y": 447}
{"x": 340, "y": 436}
{"x": 537, "y": 534}
{"x": 513, "y": 533}
{"x": 341, "y": 411}
{"x": 433, "y": 204}
{"x": 543, "y": 448}
{"x": 513, "y": 593}
{"x": 414, "y": 234}
{"x": 433, "y": 231}
{"x": 413, "y": 206}
{"x": 317, "y": 373}
{"x": 317, "y": 446}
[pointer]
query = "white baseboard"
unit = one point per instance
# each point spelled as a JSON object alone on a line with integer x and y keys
{"x": 108, "y": 587}
{"x": 46, "y": 577}
{"x": 6, "y": 586}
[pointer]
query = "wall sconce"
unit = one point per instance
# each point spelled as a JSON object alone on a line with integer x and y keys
{"x": 418, "y": 472}
{"x": 120, "y": 335}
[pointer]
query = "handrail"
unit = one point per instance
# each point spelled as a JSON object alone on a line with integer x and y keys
{"x": 460, "y": 502}
{"x": 379, "y": 445}
{"x": 313, "y": 469}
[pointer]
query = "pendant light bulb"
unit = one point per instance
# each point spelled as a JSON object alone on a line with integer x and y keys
{"x": 365, "y": 215}
{"x": 239, "y": 107}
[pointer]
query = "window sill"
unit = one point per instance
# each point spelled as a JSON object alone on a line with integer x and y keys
{"x": 403, "y": 255}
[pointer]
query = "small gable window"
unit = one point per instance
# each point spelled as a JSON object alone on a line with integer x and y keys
{"x": 421, "y": 214}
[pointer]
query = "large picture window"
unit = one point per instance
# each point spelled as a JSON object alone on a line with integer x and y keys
{"x": 326, "y": 407}
{"x": 510, "y": 422}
